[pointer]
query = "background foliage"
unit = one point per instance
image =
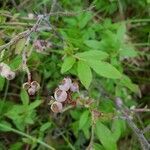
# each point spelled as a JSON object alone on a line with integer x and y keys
{"x": 106, "y": 49}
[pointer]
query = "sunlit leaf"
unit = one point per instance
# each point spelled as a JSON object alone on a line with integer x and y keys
{"x": 2, "y": 82}
{"x": 83, "y": 119}
{"x": 104, "y": 69}
{"x": 93, "y": 54}
{"x": 67, "y": 64}
{"x": 126, "y": 81}
{"x": 93, "y": 44}
{"x": 105, "y": 136}
{"x": 84, "y": 73}
{"x": 24, "y": 97}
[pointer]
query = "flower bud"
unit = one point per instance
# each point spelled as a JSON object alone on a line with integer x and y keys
{"x": 60, "y": 95}
{"x": 74, "y": 87}
{"x": 132, "y": 107}
{"x": 4, "y": 69}
{"x": 35, "y": 85}
{"x": 31, "y": 91}
{"x": 56, "y": 107}
{"x": 37, "y": 45}
{"x": 119, "y": 102}
{"x": 65, "y": 85}
{"x": 1, "y": 67}
{"x": 26, "y": 85}
{"x": 5, "y": 72}
{"x": 10, "y": 75}
{"x": 4, "y": 66}
{"x": 30, "y": 16}
{"x": 40, "y": 45}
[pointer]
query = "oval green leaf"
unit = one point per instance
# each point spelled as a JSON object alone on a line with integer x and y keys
{"x": 105, "y": 136}
{"x": 67, "y": 64}
{"x": 84, "y": 73}
{"x": 83, "y": 119}
{"x": 104, "y": 69}
{"x": 93, "y": 54}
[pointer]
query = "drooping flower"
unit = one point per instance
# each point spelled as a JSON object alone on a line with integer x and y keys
{"x": 31, "y": 91}
{"x": 65, "y": 84}
{"x": 56, "y": 107}
{"x": 74, "y": 87}
{"x": 60, "y": 95}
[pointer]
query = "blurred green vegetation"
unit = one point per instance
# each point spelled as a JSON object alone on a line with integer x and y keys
{"x": 106, "y": 49}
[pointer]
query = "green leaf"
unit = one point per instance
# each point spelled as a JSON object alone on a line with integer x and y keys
{"x": 121, "y": 32}
{"x": 93, "y": 44}
{"x": 18, "y": 115}
{"x": 98, "y": 147}
{"x": 126, "y": 81}
{"x": 84, "y": 73}
{"x": 128, "y": 51}
{"x": 104, "y": 69}
{"x": 19, "y": 46}
{"x": 16, "y": 62}
{"x": 17, "y": 145}
{"x": 45, "y": 126}
{"x": 7, "y": 124}
{"x": 107, "y": 106}
{"x": 83, "y": 119}
{"x": 118, "y": 127}
{"x": 86, "y": 127}
{"x": 105, "y": 136}
{"x": 75, "y": 128}
{"x": 84, "y": 19}
{"x": 34, "y": 104}
{"x": 24, "y": 97}
{"x": 93, "y": 54}
{"x": 67, "y": 64}
{"x": 2, "y": 83}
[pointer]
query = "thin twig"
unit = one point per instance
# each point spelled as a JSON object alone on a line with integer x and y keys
{"x": 90, "y": 146}
{"x": 121, "y": 10}
{"x": 23, "y": 3}
{"x": 125, "y": 113}
{"x": 23, "y": 34}
{"x": 5, "y": 96}
{"x": 24, "y": 63}
{"x": 36, "y": 25}
{"x": 53, "y": 6}
{"x": 27, "y": 136}
{"x": 69, "y": 144}
{"x": 24, "y": 60}
{"x": 15, "y": 5}
{"x": 144, "y": 143}
{"x": 17, "y": 24}
{"x": 68, "y": 13}
{"x": 140, "y": 110}
{"x": 146, "y": 129}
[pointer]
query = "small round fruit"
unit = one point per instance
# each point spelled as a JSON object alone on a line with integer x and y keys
{"x": 60, "y": 95}
{"x": 56, "y": 107}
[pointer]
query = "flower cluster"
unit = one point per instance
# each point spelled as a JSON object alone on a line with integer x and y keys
{"x": 6, "y": 72}
{"x": 41, "y": 45}
{"x": 62, "y": 94}
{"x": 32, "y": 87}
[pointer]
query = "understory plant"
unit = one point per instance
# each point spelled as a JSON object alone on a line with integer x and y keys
{"x": 70, "y": 75}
